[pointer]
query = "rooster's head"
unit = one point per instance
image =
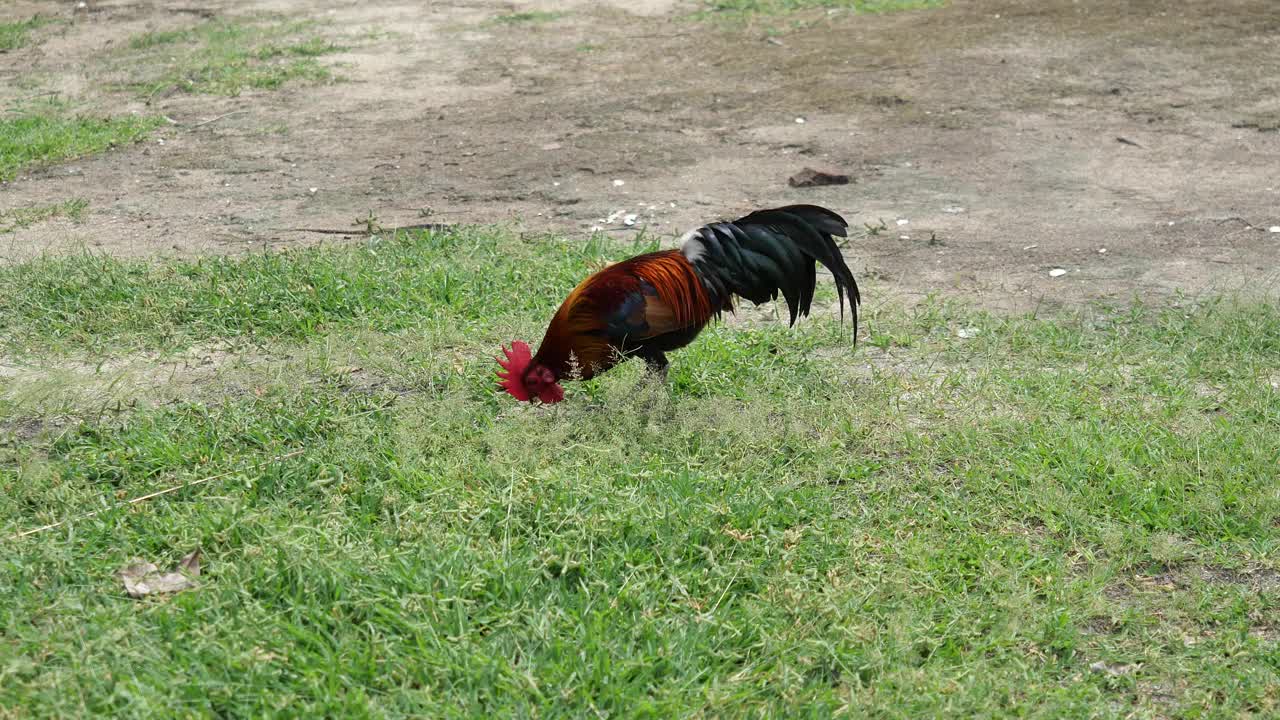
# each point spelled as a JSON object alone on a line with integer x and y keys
{"x": 524, "y": 378}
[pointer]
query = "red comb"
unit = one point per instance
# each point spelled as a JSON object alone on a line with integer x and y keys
{"x": 518, "y": 359}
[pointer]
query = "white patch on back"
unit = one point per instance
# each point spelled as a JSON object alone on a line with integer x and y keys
{"x": 691, "y": 246}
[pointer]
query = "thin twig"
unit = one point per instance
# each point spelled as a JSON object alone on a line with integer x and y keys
{"x": 157, "y": 493}
{"x": 214, "y": 120}
{"x": 433, "y": 227}
{"x": 40, "y": 95}
{"x": 720, "y": 599}
{"x": 1236, "y": 218}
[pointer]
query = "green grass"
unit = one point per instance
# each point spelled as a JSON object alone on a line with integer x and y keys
{"x": 49, "y": 135}
{"x": 15, "y": 35}
{"x": 1064, "y": 517}
{"x": 22, "y": 217}
{"x": 98, "y": 303}
{"x": 750, "y": 7}
{"x": 228, "y": 57}
{"x": 531, "y": 16}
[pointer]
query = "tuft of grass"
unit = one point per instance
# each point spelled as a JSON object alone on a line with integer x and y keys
{"x": 17, "y": 34}
{"x": 157, "y": 38}
{"x": 1048, "y": 517}
{"x": 528, "y": 16}
{"x": 36, "y": 138}
{"x": 224, "y": 57}
{"x": 730, "y": 8}
{"x": 22, "y": 217}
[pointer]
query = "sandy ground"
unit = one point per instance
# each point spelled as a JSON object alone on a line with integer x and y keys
{"x": 1131, "y": 144}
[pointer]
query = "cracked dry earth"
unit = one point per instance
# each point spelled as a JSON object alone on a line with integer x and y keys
{"x": 997, "y": 140}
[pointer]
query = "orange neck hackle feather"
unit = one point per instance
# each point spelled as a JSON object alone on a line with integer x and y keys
{"x": 678, "y": 285}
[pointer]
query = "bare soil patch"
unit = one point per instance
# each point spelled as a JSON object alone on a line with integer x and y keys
{"x": 1129, "y": 144}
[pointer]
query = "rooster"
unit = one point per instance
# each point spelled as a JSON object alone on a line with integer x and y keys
{"x": 652, "y": 304}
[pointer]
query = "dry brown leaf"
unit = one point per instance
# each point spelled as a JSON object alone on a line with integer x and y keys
{"x": 143, "y": 579}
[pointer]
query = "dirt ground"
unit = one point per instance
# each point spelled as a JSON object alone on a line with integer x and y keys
{"x": 1131, "y": 144}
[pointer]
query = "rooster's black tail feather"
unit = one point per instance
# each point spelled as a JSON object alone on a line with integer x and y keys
{"x": 771, "y": 251}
